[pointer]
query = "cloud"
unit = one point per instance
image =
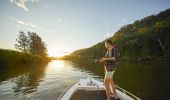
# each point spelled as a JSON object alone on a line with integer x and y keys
{"x": 21, "y": 22}
{"x": 107, "y": 35}
{"x": 33, "y": 27}
{"x": 22, "y": 3}
{"x": 27, "y": 24}
{"x": 30, "y": 26}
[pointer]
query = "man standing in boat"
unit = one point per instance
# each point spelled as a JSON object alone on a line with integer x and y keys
{"x": 110, "y": 63}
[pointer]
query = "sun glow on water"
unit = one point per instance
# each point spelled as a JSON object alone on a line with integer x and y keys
{"x": 57, "y": 65}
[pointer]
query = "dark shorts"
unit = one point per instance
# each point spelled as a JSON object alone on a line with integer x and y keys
{"x": 110, "y": 66}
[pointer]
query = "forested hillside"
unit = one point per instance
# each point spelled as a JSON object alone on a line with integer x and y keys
{"x": 145, "y": 39}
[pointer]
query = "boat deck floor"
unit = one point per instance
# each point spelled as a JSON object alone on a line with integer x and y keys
{"x": 90, "y": 95}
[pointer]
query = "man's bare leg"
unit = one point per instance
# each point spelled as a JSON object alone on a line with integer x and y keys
{"x": 107, "y": 87}
{"x": 113, "y": 86}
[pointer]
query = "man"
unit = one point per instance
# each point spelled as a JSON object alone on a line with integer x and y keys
{"x": 110, "y": 62}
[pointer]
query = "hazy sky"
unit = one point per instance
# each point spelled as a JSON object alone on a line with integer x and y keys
{"x": 67, "y": 25}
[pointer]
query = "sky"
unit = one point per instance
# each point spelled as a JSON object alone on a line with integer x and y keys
{"x": 68, "y": 25}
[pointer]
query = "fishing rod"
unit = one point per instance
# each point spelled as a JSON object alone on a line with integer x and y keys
{"x": 71, "y": 54}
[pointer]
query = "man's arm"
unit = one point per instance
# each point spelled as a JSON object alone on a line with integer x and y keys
{"x": 99, "y": 61}
{"x": 105, "y": 59}
{"x": 109, "y": 58}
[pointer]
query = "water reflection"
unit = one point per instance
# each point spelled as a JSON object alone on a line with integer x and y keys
{"x": 39, "y": 81}
{"x": 21, "y": 80}
{"x": 48, "y": 81}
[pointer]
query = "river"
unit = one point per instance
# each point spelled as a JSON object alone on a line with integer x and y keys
{"x": 147, "y": 80}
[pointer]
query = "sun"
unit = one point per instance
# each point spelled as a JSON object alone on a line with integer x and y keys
{"x": 57, "y": 53}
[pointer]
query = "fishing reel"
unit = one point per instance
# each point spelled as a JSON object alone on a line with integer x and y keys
{"x": 97, "y": 61}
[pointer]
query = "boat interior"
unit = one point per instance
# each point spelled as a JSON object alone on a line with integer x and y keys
{"x": 90, "y": 95}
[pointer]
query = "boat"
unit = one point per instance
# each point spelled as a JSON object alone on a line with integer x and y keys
{"x": 92, "y": 89}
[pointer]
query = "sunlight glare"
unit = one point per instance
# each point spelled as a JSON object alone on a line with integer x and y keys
{"x": 57, "y": 53}
{"x": 57, "y": 65}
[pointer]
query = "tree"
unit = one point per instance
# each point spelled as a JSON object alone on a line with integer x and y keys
{"x": 31, "y": 43}
{"x": 37, "y": 46}
{"x": 22, "y": 42}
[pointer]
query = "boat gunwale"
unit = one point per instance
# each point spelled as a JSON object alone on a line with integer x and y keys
{"x": 65, "y": 90}
{"x": 127, "y": 93}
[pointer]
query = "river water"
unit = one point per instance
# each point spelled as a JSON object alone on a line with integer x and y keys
{"x": 147, "y": 80}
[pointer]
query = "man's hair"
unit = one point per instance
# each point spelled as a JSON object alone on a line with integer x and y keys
{"x": 109, "y": 41}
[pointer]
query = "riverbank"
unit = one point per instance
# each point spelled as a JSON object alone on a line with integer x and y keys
{"x": 11, "y": 58}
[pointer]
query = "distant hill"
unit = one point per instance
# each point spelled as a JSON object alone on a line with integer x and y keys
{"x": 145, "y": 39}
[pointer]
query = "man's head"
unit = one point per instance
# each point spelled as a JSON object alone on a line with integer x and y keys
{"x": 108, "y": 43}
